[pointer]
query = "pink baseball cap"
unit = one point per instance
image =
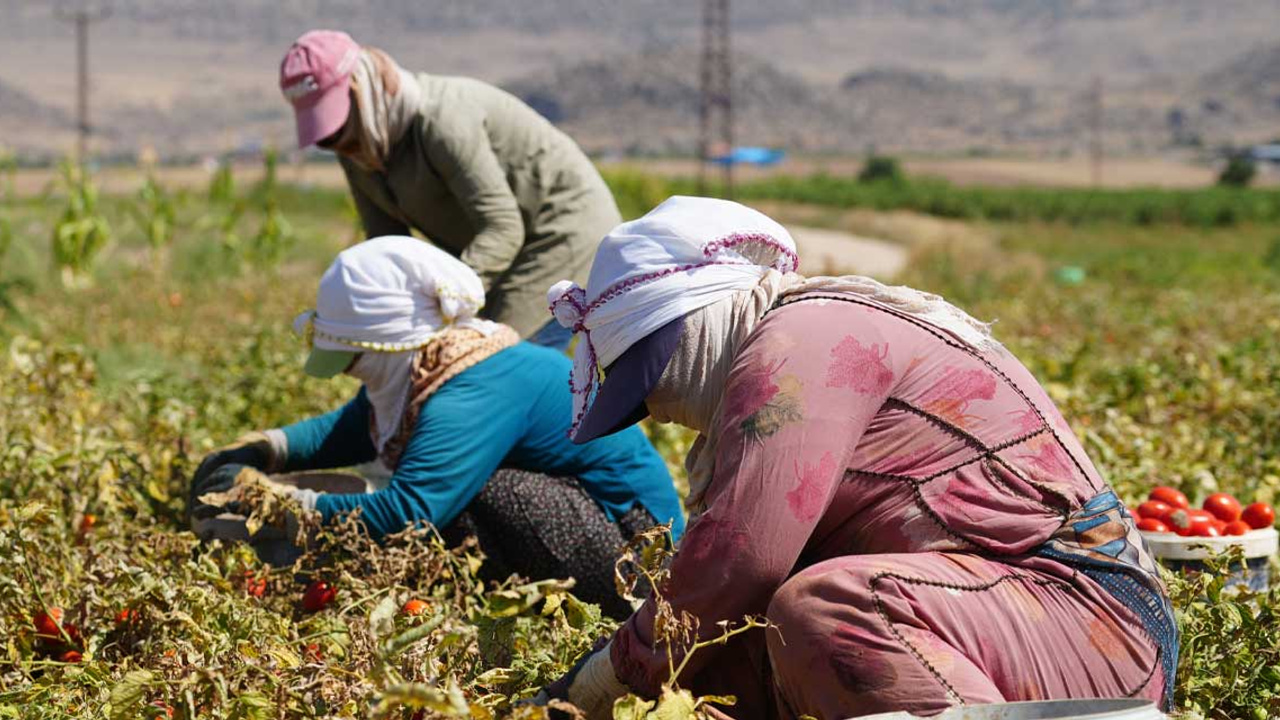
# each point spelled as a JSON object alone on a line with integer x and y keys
{"x": 314, "y": 77}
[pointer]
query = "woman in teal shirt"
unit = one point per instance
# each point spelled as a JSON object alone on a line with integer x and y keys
{"x": 470, "y": 424}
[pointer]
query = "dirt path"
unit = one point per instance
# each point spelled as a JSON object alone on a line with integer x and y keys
{"x": 824, "y": 251}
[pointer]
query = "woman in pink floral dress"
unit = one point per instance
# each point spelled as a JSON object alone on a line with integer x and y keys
{"x": 875, "y": 475}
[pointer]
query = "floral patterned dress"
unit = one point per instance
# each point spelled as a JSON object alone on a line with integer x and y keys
{"x": 919, "y": 523}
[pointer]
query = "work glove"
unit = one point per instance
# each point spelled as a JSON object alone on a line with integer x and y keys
{"x": 244, "y": 505}
{"x": 240, "y": 489}
{"x": 591, "y": 686}
{"x": 256, "y": 450}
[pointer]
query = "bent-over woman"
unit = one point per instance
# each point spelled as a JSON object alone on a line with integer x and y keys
{"x": 468, "y": 422}
{"x": 875, "y": 474}
{"x": 470, "y": 166}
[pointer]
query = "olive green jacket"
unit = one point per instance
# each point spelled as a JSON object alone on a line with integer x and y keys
{"x": 488, "y": 179}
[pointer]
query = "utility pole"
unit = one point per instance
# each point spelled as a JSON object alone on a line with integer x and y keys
{"x": 716, "y": 109}
{"x": 82, "y": 17}
{"x": 1095, "y": 131}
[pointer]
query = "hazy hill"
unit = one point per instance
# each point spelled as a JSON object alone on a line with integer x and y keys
{"x": 649, "y": 103}
{"x": 934, "y": 75}
{"x": 17, "y": 106}
{"x": 1241, "y": 99}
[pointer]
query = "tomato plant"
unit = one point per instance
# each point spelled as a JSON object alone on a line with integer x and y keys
{"x": 1163, "y": 362}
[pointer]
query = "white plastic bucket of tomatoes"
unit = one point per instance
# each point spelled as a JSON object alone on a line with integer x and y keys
{"x": 1182, "y": 537}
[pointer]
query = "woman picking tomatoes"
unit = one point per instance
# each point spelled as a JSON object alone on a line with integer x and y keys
{"x": 479, "y": 173}
{"x": 464, "y": 426}
{"x": 876, "y": 475}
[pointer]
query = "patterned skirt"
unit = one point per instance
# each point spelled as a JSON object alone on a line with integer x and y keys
{"x": 539, "y": 526}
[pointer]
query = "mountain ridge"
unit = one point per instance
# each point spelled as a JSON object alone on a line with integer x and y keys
{"x": 942, "y": 76}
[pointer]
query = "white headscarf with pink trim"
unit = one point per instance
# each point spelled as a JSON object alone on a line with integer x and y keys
{"x": 690, "y": 253}
{"x": 684, "y": 255}
{"x": 387, "y": 298}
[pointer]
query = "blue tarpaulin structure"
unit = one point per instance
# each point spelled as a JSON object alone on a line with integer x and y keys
{"x": 1266, "y": 153}
{"x": 750, "y": 156}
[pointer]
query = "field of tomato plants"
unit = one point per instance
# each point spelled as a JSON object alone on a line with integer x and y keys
{"x": 139, "y": 331}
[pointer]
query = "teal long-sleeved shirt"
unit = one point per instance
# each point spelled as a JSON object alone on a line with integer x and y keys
{"x": 509, "y": 410}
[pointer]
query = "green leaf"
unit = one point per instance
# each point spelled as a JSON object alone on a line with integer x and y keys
{"x": 553, "y": 603}
{"x": 725, "y": 700}
{"x": 253, "y": 706}
{"x": 496, "y": 677}
{"x": 675, "y": 705}
{"x": 399, "y": 643}
{"x": 382, "y": 618}
{"x": 420, "y": 696}
{"x": 127, "y": 696}
{"x": 632, "y": 708}
{"x": 579, "y": 614}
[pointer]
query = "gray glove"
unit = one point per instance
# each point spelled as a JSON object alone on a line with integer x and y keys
{"x": 257, "y": 450}
{"x": 229, "y": 480}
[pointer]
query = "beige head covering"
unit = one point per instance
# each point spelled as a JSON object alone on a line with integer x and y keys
{"x": 387, "y": 98}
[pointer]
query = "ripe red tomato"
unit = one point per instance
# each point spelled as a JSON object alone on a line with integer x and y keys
{"x": 70, "y": 656}
{"x": 47, "y": 623}
{"x": 1169, "y": 495}
{"x": 1186, "y": 522}
{"x": 318, "y": 596}
{"x": 415, "y": 607}
{"x": 1209, "y": 530}
{"x": 1223, "y": 506}
{"x": 1154, "y": 509}
{"x": 87, "y": 522}
{"x": 313, "y": 653}
{"x": 1153, "y": 525}
{"x": 254, "y": 586}
{"x": 1259, "y": 515}
{"x": 1239, "y": 527}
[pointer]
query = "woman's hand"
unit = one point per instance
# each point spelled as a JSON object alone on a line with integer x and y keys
{"x": 253, "y": 450}
{"x": 242, "y": 504}
{"x": 238, "y": 489}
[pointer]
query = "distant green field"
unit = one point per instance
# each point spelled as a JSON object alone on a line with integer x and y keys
{"x": 1206, "y": 207}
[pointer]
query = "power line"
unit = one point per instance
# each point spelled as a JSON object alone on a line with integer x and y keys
{"x": 82, "y": 17}
{"x": 1095, "y": 131}
{"x": 715, "y": 116}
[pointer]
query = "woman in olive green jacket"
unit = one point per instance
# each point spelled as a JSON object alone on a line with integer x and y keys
{"x": 471, "y": 167}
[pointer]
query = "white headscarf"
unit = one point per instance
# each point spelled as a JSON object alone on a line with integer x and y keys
{"x": 684, "y": 255}
{"x": 721, "y": 265}
{"x": 387, "y": 298}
